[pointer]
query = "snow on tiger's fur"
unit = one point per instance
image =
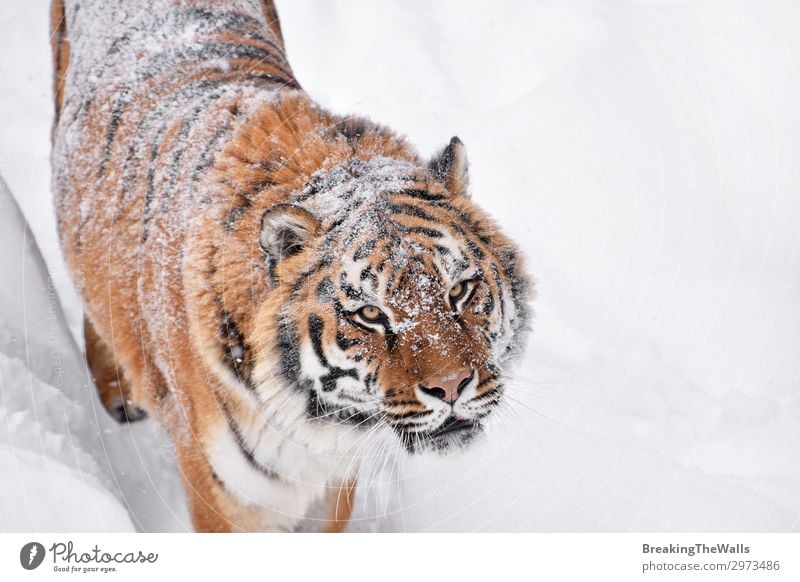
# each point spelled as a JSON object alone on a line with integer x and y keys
{"x": 281, "y": 286}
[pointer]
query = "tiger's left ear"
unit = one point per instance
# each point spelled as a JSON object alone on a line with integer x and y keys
{"x": 286, "y": 229}
{"x": 450, "y": 167}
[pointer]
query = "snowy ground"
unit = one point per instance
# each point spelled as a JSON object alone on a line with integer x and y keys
{"x": 644, "y": 153}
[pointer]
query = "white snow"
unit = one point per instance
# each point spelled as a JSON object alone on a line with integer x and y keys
{"x": 645, "y": 156}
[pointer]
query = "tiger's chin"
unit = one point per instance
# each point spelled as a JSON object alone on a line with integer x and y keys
{"x": 453, "y": 435}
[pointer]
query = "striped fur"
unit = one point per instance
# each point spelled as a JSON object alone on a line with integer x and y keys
{"x": 225, "y": 234}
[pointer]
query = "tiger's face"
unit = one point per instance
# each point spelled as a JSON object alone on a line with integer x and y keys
{"x": 404, "y": 303}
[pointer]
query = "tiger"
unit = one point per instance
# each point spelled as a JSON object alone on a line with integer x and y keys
{"x": 278, "y": 285}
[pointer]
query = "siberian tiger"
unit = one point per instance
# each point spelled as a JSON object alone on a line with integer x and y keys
{"x": 277, "y": 284}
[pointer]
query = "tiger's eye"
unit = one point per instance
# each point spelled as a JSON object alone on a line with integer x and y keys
{"x": 458, "y": 290}
{"x": 370, "y": 313}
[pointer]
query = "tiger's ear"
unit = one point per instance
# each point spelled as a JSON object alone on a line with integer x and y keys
{"x": 450, "y": 167}
{"x": 286, "y": 229}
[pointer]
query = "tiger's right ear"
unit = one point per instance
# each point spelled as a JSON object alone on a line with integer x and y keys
{"x": 450, "y": 167}
{"x": 286, "y": 230}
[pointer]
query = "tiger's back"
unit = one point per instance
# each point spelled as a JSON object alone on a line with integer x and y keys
{"x": 150, "y": 98}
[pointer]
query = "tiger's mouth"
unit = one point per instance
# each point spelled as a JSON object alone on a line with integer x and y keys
{"x": 453, "y": 434}
{"x": 452, "y": 425}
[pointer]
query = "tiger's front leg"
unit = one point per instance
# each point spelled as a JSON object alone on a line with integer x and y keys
{"x": 341, "y": 507}
{"x": 211, "y": 507}
{"x": 109, "y": 377}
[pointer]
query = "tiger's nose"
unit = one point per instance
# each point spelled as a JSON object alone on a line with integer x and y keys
{"x": 448, "y": 388}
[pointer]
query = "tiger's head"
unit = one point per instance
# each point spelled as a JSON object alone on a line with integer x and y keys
{"x": 401, "y": 300}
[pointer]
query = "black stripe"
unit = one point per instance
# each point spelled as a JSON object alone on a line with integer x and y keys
{"x": 205, "y": 160}
{"x": 501, "y": 302}
{"x": 237, "y": 355}
{"x": 429, "y": 232}
{"x": 499, "y": 283}
{"x": 491, "y": 396}
{"x": 406, "y": 209}
{"x": 300, "y": 282}
{"x": 177, "y": 155}
{"x": 399, "y": 403}
{"x": 229, "y": 222}
{"x": 345, "y": 343}
{"x": 476, "y": 251}
{"x": 365, "y": 249}
{"x": 329, "y": 379}
{"x": 422, "y": 195}
{"x": 485, "y": 381}
{"x": 315, "y": 329}
{"x": 150, "y": 180}
{"x": 217, "y": 479}
{"x": 352, "y": 293}
{"x": 367, "y": 273}
{"x": 240, "y": 442}
{"x": 288, "y": 343}
{"x": 489, "y": 305}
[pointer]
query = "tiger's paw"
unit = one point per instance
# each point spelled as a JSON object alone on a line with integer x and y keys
{"x": 126, "y": 411}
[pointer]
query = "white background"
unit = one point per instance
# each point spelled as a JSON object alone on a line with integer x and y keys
{"x": 645, "y": 154}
